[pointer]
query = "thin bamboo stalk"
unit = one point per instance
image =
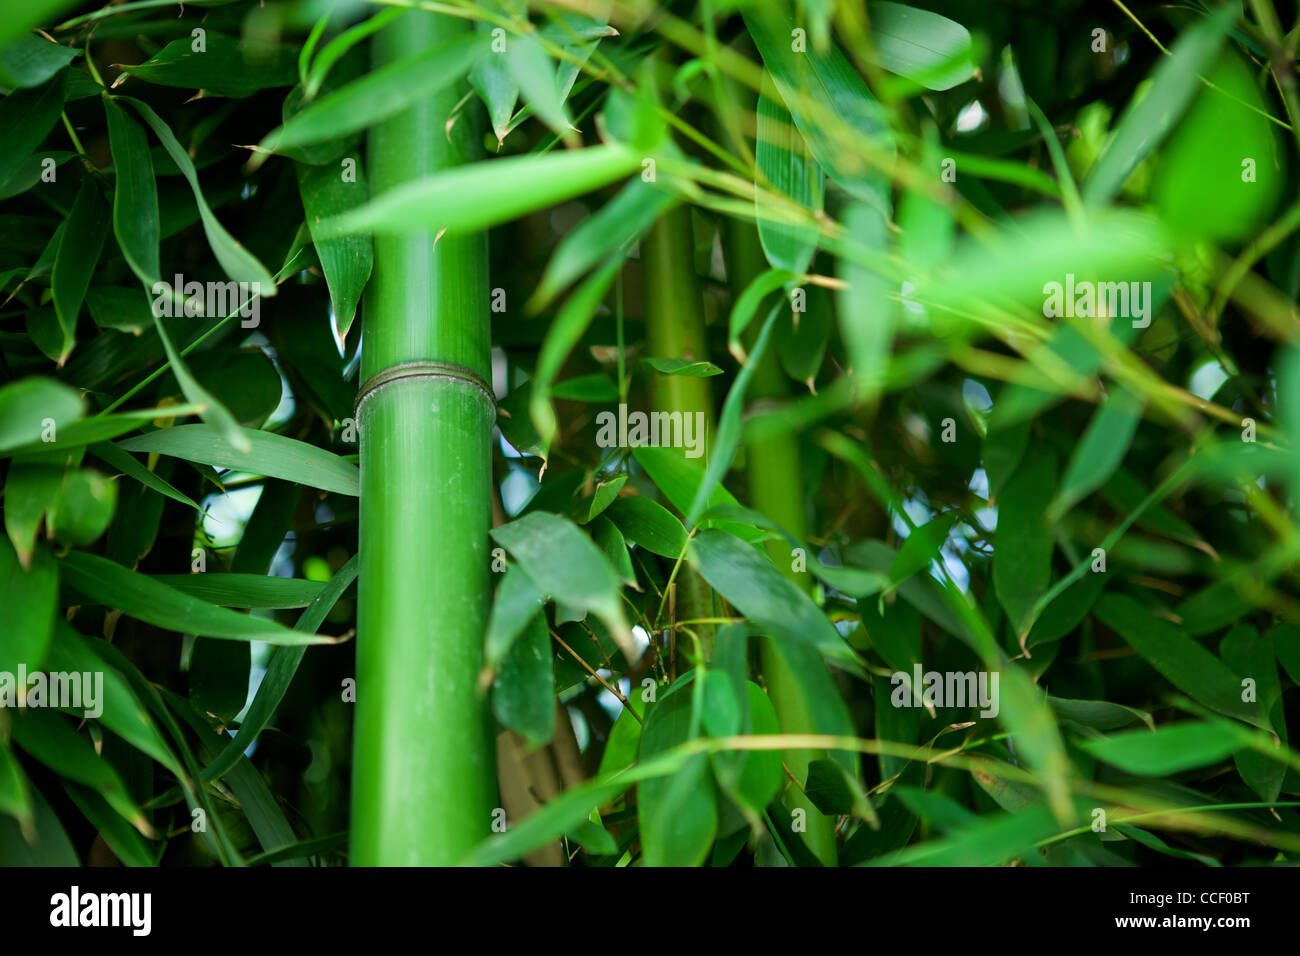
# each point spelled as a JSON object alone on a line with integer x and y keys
{"x": 773, "y": 472}
{"x": 423, "y": 779}
{"x": 675, "y": 329}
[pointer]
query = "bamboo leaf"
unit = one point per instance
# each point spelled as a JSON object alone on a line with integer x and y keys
{"x": 614, "y": 226}
{"x": 648, "y": 525}
{"x": 534, "y": 75}
{"x": 239, "y": 264}
{"x": 765, "y": 596}
{"x": 784, "y": 162}
{"x": 30, "y": 596}
{"x": 135, "y": 195}
{"x": 48, "y": 737}
{"x": 564, "y": 563}
{"x": 348, "y": 260}
{"x": 677, "y": 815}
{"x": 26, "y": 118}
{"x": 1100, "y": 450}
{"x": 523, "y": 697}
{"x": 867, "y": 307}
{"x": 31, "y": 60}
{"x": 272, "y": 455}
{"x": 687, "y": 367}
{"x": 225, "y": 66}
{"x": 244, "y": 590}
{"x": 141, "y": 597}
{"x": 1169, "y": 749}
{"x": 35, "y": 407}
{"x": 516, "y": 605}
{"x": 480, "y": 195}
{"x": 1183, "y": 662}
{"x": 1148, "y": 120}
{"x": 922, "y": 46}
{"x": 1022, "y": 558}
{"x": 375, "y": 97}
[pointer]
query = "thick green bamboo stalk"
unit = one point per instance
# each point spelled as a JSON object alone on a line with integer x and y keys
{"x": 423, "y": 777}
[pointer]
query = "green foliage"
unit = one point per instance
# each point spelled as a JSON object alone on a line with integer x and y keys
{"x": 987, "y": 328}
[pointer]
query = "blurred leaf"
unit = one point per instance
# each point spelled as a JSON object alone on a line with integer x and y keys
{"x": 479, "y": 195}
{"x": 534, "y": 75}
{"x": 83, "y": 508}
{"x": 34, "y": 406}
{"x": 26, "y": 118}
{"x": 1168, "y": 749}
{"x": 1148, "y": 120}
{"x": 30, "y": 598}
{"x": 225, "y": 66}
{"x": 616, "y": 225}
{"x": 920, "y": 45}
{"x": 1183, "y": 662}
{"x": 784, "y": 162}
{"x": 687, "y": 367}
{"x": 31, "y": 60}
{"x": 1022, "y": 557}
{"x": 1100, "y": 449}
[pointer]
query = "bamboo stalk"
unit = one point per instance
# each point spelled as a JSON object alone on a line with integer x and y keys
{"x": 774, "y": 475}
{"x": 675, "y": 329}
{"x": 423, "y": 784}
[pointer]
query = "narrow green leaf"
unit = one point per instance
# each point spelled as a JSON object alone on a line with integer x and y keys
{"x": 1100, "y": 450}
{"x": 347, "y": 260}
{"x": 26, "y": 118}
{"x": 767, "y": 597}
{"x": 922, "y": 46}
{"x": 135, "y": 195}
{"x": 334, "y": 50}
{"x": 473, "y": 197}
{"x": 224, "y": 66}
{"x": 523, "y": 697}
{"x": 1169, "y": 749}
{"x": 614, "y": 226}
{"x": 564, "y": 563}
{"x": 1184, "y": 663}
{"x": 141, "y": 597}
{"x": 375, "y": 97}
{"x": 48, "y": 737}
{"x": 272, "y": 455}
{"x": 534, "y": 74}
{"x": 123, "y": 461}
{"x": 866, "y": 305}
{"x": 784, "y": 162}
{"x": 687, "y": 367}
{"x": 239, "y": 264}
{"x": 1148, "y": 120}
{"x": 244, "y": 590}
{"x": 1022, "y": 555}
